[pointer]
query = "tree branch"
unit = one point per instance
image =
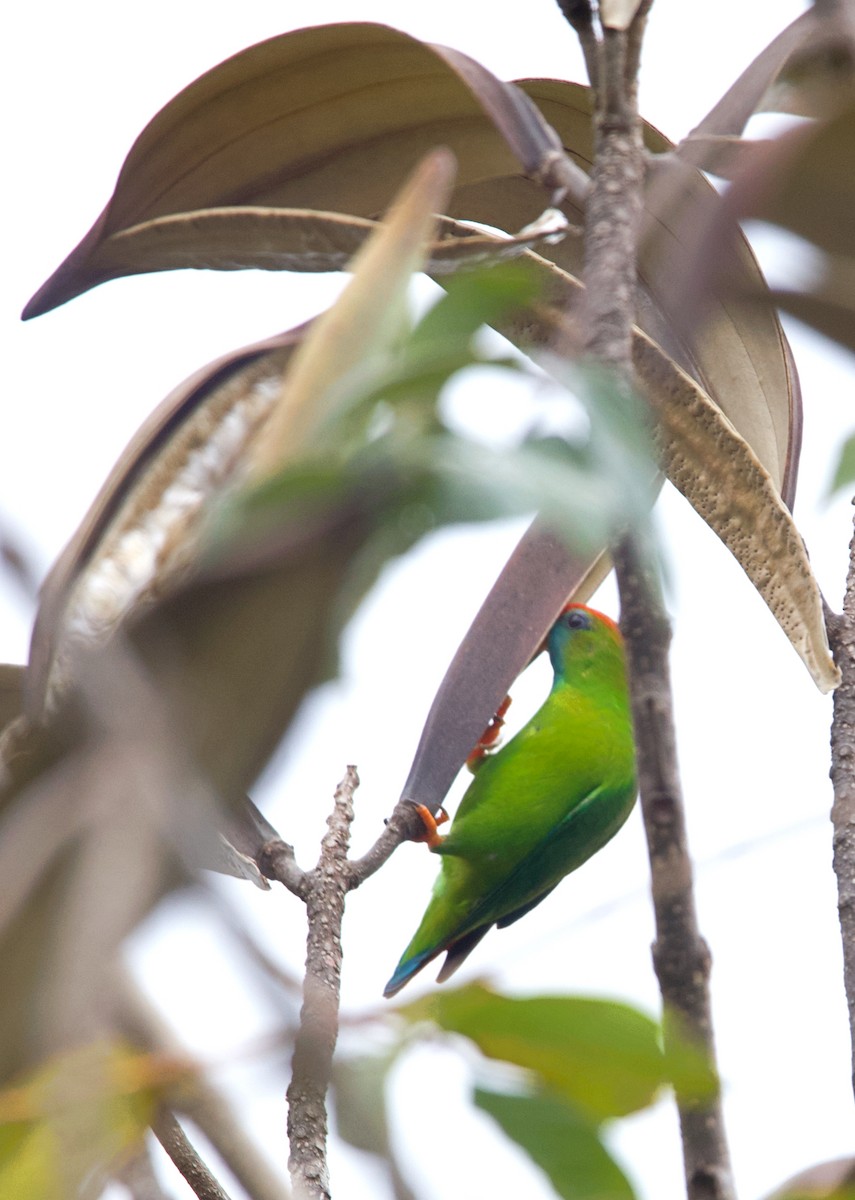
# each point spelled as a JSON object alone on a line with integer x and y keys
{"x": 174, "y": 1141}
{"x": 681, "y": 958}
{"x": 841, "y": 636}
{"x": 326, "y": 887}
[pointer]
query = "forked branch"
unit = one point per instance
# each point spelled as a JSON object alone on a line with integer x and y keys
{"x": 323, "y": 891}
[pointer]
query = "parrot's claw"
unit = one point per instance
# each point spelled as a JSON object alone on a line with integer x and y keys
{"x": 489, "y": 739}
{"x": 430, "y": 823}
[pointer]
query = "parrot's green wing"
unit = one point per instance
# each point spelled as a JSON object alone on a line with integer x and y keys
{"x": 582, "y": 831}
{"x": 541, "y": 806}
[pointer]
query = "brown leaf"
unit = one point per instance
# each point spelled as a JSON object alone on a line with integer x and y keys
{"x": 805, "y": 182}
{"x": 714, "y": 467}
{"x": 11, "y": 693}
{"x": 289, "y": 239}
{"x": 741, "y": 359}
{"x": 234, "y": 636}
{"x": 306, "y": 132}
{"x": 801, "y": 181}
{"x": 749, "y": 93}
{"x": 331, "y": 118}
{"x": 170, "y": 442}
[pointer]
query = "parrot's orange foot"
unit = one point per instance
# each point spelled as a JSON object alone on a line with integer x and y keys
{"x": 430, "y": 823}
{"x": 489, "y": 739}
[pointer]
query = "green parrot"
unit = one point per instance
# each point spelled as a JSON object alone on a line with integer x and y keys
{"x": 541, "y": 806}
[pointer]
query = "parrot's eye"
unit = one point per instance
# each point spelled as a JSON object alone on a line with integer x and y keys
{"x": 577, "y": 619}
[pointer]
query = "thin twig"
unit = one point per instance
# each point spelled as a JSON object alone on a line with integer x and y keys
{"x": 579, "y": 14}
{"x": 201, "y": 1103}
{"x": 174, "y": 1141}
{"x": 681, "y": 958}
{"x": 841, "y": 636}
{"x": 404, "y": 825}
{"x": 326, "y": 887}
{"x": 276, "y": 861}
{"x": 634, "y": 42}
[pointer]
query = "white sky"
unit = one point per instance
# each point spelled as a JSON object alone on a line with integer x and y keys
{"x": 83, "y": 80}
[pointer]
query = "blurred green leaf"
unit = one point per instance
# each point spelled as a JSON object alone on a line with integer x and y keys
{"x": 844, "y": 472}
{"x": 75, "y": 1116}
{"x": 359, "y": 1094}
{"x": 621, "y": 444}
{"x": 383, "y": 437}
{"x": 565, "y": 1145}
{"x": 473, "y": 299}
{"x": 601, "y": 1056}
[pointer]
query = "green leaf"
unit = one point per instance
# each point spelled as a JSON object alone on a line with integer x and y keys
{"x": 599, "y": 1055}
{"x": 565, "y": 1145}
{"x": 844, "y": 472}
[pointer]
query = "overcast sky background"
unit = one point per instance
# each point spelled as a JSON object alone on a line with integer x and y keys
{"x": 82, "y": 82}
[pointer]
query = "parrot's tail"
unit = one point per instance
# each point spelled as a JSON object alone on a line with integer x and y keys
{"x": 407, "y": 968}
{"x": 456, "y": 952}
